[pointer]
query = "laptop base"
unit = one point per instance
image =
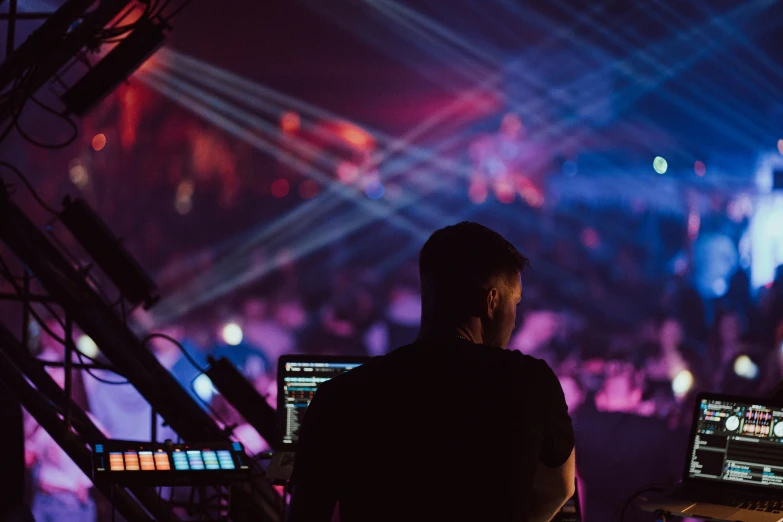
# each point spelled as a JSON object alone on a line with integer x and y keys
{"x": 682, "y": 501}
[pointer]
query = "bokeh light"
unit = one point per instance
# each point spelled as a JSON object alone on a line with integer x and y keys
{"x": 99, "y": 142}
{"x": 745, "y": 367}
{"x": 308, "y": 189}
{"x": 185, "y": 189}
{"x": 87, "y": 346}
{"x": 280, "y": 188}
{"x": 780, "y": 146}
{"x": 184, "y": 200}
{"x": 682, "y": 384}
{"x": 720, "y": 287}
{"x": 203, "y": 387}
{"x": 700, "y": 168}
{"x": 78, "y": 174}
{"x": 290, "y": 122}
{"x": 660, "y": 165}
{"x": 374, "y": 189}
{"x": 504, "y": 190}
{"x": 232, "y": 334}
{"x": 347, "y": 172}
{"x": 183, "y": 206}
{"x": 533, "y": 197}
{"x": 511, "y": 124}
{"x": 356, "y": 136}
{"x": 590, "y": 238}
{"x": 694, "y": 224}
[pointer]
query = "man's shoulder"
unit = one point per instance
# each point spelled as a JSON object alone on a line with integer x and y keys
{"x": 528, "y": 364}
{"x": 521, "y": 358}
{"x": 464, "y": 352}
{"x": 399, "y": 360}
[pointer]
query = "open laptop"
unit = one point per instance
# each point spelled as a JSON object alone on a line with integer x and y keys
{"x": 734, "y": 465}
{"x": 298, "y": 376}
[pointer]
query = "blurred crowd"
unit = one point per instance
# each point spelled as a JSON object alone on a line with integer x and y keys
{"x": 629, "y": 390}
{"x": 631, "y": 342}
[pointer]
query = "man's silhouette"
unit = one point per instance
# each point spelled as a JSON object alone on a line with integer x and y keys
{"x": 452, "y": 427}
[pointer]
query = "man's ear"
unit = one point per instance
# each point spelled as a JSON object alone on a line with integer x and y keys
{"x": 492, "y": 302}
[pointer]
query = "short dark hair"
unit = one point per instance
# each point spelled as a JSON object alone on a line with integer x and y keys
{"x": 467, "y": 254}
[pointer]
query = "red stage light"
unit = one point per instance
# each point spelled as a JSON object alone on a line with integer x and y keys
{"x": 280, "y": 188}
{"x": 290, "y": 122}
{"x": 504, "y": 190}
{"x": 347, "y": 172}
{"x": 99, "y": 142}
{"x": 700, "y": 168}
{"x": 354, "y": 135}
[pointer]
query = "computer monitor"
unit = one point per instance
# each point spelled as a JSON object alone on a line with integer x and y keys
{"x": 736, "y": 440}
{"x": 298, "y": 376}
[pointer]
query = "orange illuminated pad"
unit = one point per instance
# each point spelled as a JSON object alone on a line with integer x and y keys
{"x": 115, "y": 462}
{"x": 146, "y": 461}
{"x": 162, "y": 461}
{"x": 131, "y": 461}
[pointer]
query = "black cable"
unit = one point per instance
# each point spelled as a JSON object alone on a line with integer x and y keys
{"x": 20, "y": 84}
{"x": 48, "y": 146}
{"x": 178, "y": 345}
{"x": 80, "y": 355}
{"x": 119, "y": 30}
{"x": 29, "y": 187}
{"x": 160, "y": 6}
{"x": 228, "y": 429}
{"x": 14, "y": 116}
{"x": 6, "y": 272}
{"x": 651, "y": 487}
{"x": 7, "y": 131}
{"x": 42, "y": 324}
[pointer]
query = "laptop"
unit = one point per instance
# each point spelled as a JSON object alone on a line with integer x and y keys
{"x": 298, "y": 376}
{"x": 734, "y": 465}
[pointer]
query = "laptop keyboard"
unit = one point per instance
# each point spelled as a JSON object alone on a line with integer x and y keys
{"x": 770, "y": 506}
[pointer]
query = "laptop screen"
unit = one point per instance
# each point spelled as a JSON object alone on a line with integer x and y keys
{"x": 737, "y": 440}
{"x": 297, "y": 379}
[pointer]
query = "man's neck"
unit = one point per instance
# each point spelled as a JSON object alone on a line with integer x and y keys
{"x": 461, "y": 331}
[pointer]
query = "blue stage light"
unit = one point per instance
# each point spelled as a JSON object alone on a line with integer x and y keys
{"x": 374, "y": 190}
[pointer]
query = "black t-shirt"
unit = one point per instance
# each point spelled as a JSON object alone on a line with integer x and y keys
{"x": 448, "y": 431}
